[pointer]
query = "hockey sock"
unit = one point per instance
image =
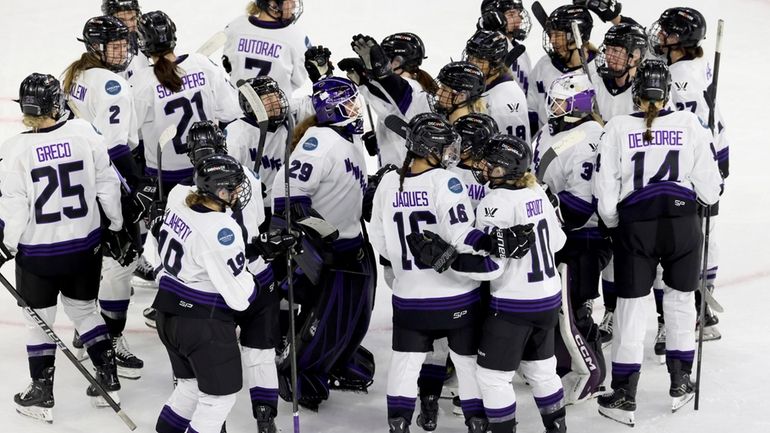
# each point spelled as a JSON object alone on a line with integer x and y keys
{"x": 610, "y": 296}
{"x": 176, "y": 413}
{"x": 498, "y": 396}
{"x": 546, "y": 387}
{"x": 628, "y": 339}
{"x": 261, "y": 377}
{"x": 211, "y": 412}
{"x": 680, "y": 329}
{"x": 41, "y": 351}
{"x": 402, "y": 383}
{"x": 434, "y": 370}
{"x": 467, "y": 385}
{"x": 90, "y": 326}
{"x": 114, "y": 314}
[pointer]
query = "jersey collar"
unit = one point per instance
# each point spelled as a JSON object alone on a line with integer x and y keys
{"x": 661, "y": 113}
{"x": 49, "y": 129}
{"x": 267, "y": 24}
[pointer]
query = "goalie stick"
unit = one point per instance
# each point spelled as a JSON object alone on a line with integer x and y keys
{"x": 215, "y": 42}
{"x": 258, "y": 108}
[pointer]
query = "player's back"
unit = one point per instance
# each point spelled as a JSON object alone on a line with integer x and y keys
{"x": 507, "y": 104}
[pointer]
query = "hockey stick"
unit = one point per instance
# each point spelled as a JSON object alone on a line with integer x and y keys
{"x": 215, "y": 42}
{"x": 555, "y": 150}
{"x": 258, "y": 108}
{"x": 580, "y": 45}
{"x": 712, "y": 90}
{"x": 514, "y": 54}
{"x": 398, "y": 125}
{"x": 290, "y": 276}
{"x": 167, "y": 135}
{"x": 540, "y": 14}
{"x": 6, "y": 255}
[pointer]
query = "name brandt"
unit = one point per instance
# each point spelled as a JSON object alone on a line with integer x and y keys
{"x": 534, "y": 207}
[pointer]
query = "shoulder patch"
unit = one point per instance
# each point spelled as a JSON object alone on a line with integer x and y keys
{"x": 455, "y": 185}
{"x": 226, "y": 236}
{"x": 112, "y": 87}
{"x": 310, "y": 144}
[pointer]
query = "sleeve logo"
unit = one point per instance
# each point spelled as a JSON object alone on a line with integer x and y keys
{"x": 455, "y": 185}
{"x": 112, "y": 87}
{"x": 226, "y": 236}
{"x": 310, "y": 144}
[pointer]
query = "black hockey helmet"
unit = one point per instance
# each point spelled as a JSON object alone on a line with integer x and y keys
{"x": 475, "y": 129}
{"x": 157, "y": 33}
{"x": 506, "y": 158}
{"x": 275, "y": 8}
{"x": 561, "y": 20}
{"x": 629, "y": 36}
{"x": 502, "y": 6}
{"x": 487, "y": 45}
{"x": 41, "y": 95}
{"x": 431, "y": 135}
{"x": 454, "y": 79}
{"x": 100, "y": 31}
{"x": 205, "y": 139}
{"x": 652, "y": 82}
{"x": 272, "y": 97}
{"x": 406, "y": 48}
{"x": 222, "y": 172}
{"x": 111, "y": 7}
{"x": 686, "y": 24}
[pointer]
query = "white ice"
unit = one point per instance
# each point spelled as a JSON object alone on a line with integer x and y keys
{"x": 39, "y": 36}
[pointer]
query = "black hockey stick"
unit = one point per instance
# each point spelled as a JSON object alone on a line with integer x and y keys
{"x": 290, "y": 277}
{"x": 540, "y": 14}
{"x": 6, "y": 255}
{"x": 712, "y": 90}
{"x": 514, "y": 54}
{"x": 258, "y": 108}
{"x": 398, "y": 125}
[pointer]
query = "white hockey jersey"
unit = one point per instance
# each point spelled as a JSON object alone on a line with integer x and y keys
{"x": 689, "y": 79}
{"x": 328, "y": 173}
{"x": 203, "y": 271}
{"x": 569, "y": 174}
{"x": 206, "y": 95}
{"x": 104, "y": 99}
{"x": 475, "y": 190}
{"x": 51, "y": 181}
{"x": 436, "y": 201}
{"x": 521, "y": 69}
{"x": 139, "y": 61}
{"x": 639, "y": 180}
{"x": 243, "y": 143}
{"x": 544, "y": 73}
{"x": 256, "y": 48}
{"x": 530, "y": 284}
{"x": 507, "y": 104}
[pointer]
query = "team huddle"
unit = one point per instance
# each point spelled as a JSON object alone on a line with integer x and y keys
{"x": 509, "y": 198}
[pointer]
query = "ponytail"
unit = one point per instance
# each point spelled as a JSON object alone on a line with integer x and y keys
{"x": 87, "y": 60}
{"x": 404, "y": 168}
{"x": 649, "y": 116}
{"x": 528, "y": 180}
{"x": 167, "y": 73}
{"x": 300, "y": 131}
{"x": 253, "y": 9}
{"x": 426, "y": 81}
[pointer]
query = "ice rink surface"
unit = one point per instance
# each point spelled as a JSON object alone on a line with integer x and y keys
{"x": 39, "y": 36}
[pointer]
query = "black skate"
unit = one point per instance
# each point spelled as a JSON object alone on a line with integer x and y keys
{"x": 398, "y": 425}
{"x": 457, "y": 408}
{"x": 682, "y": 390}
{"x": 265, "y": 419}
{"x": 37, "y": 400}
{"x": 660, "y": 343}
{"x": 149, "y": 314}
{"x": 144, "y": 275}
{"x": 605, "y": 328}
{"x": 129, "y": 366}
{"x": 107, "y": 376}
{"x": 559, "y": 426}
{"x": 710, "y": 331}
{"x": 428, "y": 417}
{"x": 618, "y": 406}
{"x": 477, "y": 424}
{"x": 80, "y": 353}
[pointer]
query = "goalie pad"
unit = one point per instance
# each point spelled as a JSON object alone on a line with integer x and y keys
{"x": 356, "y": 375}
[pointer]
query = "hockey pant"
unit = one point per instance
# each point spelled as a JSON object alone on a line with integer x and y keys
{"x": 332, "y": 331}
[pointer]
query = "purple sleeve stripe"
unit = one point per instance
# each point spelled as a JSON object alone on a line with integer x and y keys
{"x": 473, "y": 237}
{"x": 577, "y": 203}
{"x": 723, "y": 154}
{"x": 119, "y": 151}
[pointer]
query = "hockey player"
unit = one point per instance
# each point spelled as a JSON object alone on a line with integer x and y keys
{"x": 512, "y": 19}
{"x": 128, "y": 12}
{"x": 677, "y": 35}
{"x": 243, "y": 135}
{"x": 475, "y": 130}
{"x": 505, "y": 100}
{"x": 574, "y": 130}
{"x": 100, "y": 96}
{"x": 177, "y": 90}
{"x": 654, "y": 164}
{"x": 265, "y": 41}
{"x": 431, "y": 301}
{"x": 327, "y": 176}
{"x": 518, "y": 332}
{"x": 562, "y": 56}
{"x": 57, "y": 180}
{"x": 203, "y": 282}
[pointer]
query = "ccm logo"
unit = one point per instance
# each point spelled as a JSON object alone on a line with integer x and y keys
{"x": 184, "y": 304}
{"x": 459, "y": 314}
{"x": 584, "y": 352}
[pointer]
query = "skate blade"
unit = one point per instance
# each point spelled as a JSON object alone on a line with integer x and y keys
{"x": 661, "y": 359}
{"x": 81, "y": 354}
{"x": 457, "y": 410}
{"x": 679, "y": 402}
{"x": 141, "y": 283}
{"x": 44, "y": 414}
{"x": 622, "y": 416}
{"x": 100, "y": 402}
{"x": 129, "y": 373}
{"x": 710, "y": 333}
{"x": 150, "y": 323}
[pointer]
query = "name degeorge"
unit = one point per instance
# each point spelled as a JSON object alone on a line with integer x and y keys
{"x": 659, "y": 138}
{"x": 189, "y": 81}
{"x": 53, "y": 151}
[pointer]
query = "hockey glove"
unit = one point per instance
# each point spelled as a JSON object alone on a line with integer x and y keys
{"x": 371, "y": 53}
{"x": 429, "y": 249}
{"x": 119, "y": 246}
{"x": 370, "y": 143}
{"x": 371, "y": 188}
{"x": 606, "y": 10}
{"x": 155, "y": 217}
{"x": 274, "y": 244}
{"x": 141, "y": 199}
{"x": 317, "y": 62}
{"x": 493, "y": 21}
{"x": 354, "y": 68}
{"x": 512, "y": 242}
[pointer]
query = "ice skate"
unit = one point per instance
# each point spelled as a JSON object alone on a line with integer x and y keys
{"x": 428, "y": 417}
{"x": 559, "y": 426}
{"x": 660, "y": 343}
{"x": 397, "y": 425}
{"x": 265, "y": 419}
{"x": 618, "y": 406}
{"x": 710, "y": 331}
{"x": 477, "y": 424}
{"x": 37, "y": 400}
{"x": 605, "y": 329}
{"x": 80, "y": 351}
{"x": 149, "y": 314}
{"x": 129, "y": 366}
{"x": 682, "y": 390}
{"x": 144, "y": 275}
{"x": 457, "y": 408}
{"x": 107, "y": 376}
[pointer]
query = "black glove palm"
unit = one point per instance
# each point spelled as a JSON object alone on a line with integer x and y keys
{"x": 493, "y": 21}
{"x": 371, "y": 53}
{"x": 317, "y": 62}
{"x": 274, "y": 244}
{"x": 606, "y": 10}
{"x": 141, "y": 198}
{"x": 119, "y": 246}
{"x": 430, "y": 250}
